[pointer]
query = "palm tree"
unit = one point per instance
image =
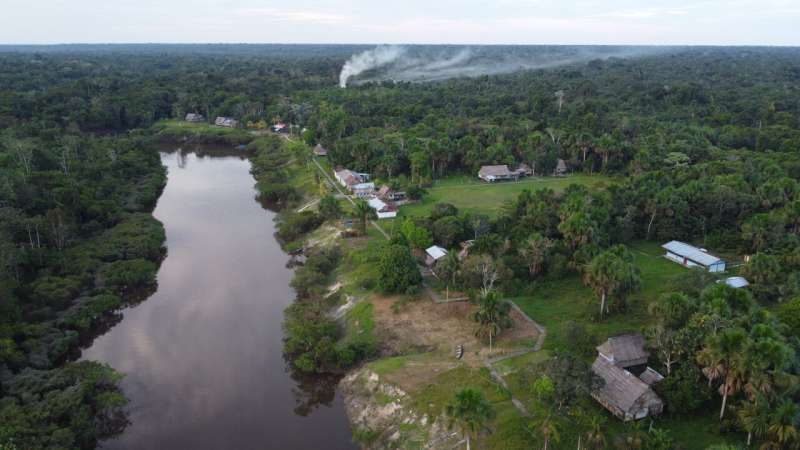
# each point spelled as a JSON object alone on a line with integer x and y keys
{"x": 723, "y": 357}
{"x": 548, "y": 428}
{"x": 595, "y": 438}
{"x": 755, "y": 418}
{"x": 364, "y": 212}
{"x": 469, "y": 411}
{"x": 449, "y": 268}
{"x": 611, "y": 272}
{"x": 492, "y": 316}
{"x": 784, "y": 422}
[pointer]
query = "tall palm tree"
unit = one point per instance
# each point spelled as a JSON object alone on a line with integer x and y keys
{"x": 755, "y": 418}
{"x": 612, "y": 272}
{"x": 783, "y": 428}
{"x": 364, "y": 212}
{"x": 548, "y": 428}
{"x": 492, "y": 316}
{"x": 595, "y": 438}
{"x": 723, "y": 357}
{"x": 469, "y": 411}
{"x": 449, "y": 268}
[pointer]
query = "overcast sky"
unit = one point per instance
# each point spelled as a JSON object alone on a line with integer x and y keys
{"x": 756, "y": 22}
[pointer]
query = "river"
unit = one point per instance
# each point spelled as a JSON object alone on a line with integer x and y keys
{"x": 202, "y": 355}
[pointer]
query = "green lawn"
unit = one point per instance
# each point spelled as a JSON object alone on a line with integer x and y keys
{"x": 559, "y": 301}
{"x": 470, "y": 194}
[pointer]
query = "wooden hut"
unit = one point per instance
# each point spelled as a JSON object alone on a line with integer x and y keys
{"x": 624, "y": 394}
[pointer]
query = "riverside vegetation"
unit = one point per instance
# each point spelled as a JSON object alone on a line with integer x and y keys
{"x": 696, "y": 144}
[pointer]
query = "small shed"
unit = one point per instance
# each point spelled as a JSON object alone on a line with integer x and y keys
{"x": 226, "y": 122}
{"x": 433, "y": 254}
{"x": 195, "y": 118}
{"x": 524, "y": 170}
{"x": 382, "y": 209}
{"x": 561, "y": 168}
{"x": 691, "y": 256}
{"x": 736, "y": 282}
{"x": 624, "y": 351}
{"x": 490, "y": 174}
{"x": 280, "y": 127}
{"x": 319, "y": 150}
{"x": 624, "y": 394}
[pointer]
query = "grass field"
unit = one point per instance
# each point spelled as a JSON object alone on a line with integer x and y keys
{"x": 470, "y": 194}
{"x": 201, "y": 132}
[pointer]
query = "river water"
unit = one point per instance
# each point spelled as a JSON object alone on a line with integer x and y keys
{"x": 202, "y": 356}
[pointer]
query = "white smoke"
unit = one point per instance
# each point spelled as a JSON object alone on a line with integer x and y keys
{"x": 369, "y": 59}
{"x": 419, "y": 64}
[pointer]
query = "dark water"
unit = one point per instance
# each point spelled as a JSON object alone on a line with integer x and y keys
{"x": 202, "y": 356}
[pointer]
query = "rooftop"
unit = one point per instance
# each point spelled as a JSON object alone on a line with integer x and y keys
{"x": 436, "y": 252}
{"x": 691, "y": 252}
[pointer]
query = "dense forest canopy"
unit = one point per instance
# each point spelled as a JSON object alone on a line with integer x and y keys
{"x": 702, "y": 143}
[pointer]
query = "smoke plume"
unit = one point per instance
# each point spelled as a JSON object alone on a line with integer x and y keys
{"x": 367, "y": 60}
{"x": 432, "y": 63}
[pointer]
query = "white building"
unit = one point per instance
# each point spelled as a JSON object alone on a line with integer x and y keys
{"x": 433, "y": 254}
{"x": 691, "y": 256}
{"x": 384, "y": 210}
{"x": 735, "y": 282}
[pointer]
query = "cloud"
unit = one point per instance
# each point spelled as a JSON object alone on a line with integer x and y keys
{"x": 304, "y": 17}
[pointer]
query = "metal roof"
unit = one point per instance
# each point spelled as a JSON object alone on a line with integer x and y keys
{"x": 691, "y": 252}
{"x": 376, "y": 203}
{"x": 737, "y": 282}
{"x": 436, "y": 252}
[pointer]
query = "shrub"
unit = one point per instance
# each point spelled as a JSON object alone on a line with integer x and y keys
{"x": 124, "y": 275}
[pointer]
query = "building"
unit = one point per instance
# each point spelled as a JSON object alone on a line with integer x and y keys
{"x": 691, "y": 256}
{"x": 561, "y": 168}
{"x": 626, "y": 394}
{"x": 524, "y": 170}
{"x": 433, "y": 254}
{"x": 736, "y": 282}
{"x": 226, "y": 122}
{"x": 280, "y": 127}
{"x": 319, "y": 150}
{"x": 383, "y": 210}
{"x": 195, "y": 118}
{"x": 357, "y": 183}
{"x": 491, "y": 174}
{"x": 386, "y": 193}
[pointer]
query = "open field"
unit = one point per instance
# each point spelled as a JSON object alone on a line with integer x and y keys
{"x": 470, "y": 194}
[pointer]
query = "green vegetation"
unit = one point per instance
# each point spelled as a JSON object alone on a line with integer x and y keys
{"x": 199, "y": 133}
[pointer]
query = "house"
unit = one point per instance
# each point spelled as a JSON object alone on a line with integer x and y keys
{"x": 433, "y": 254}
{"x": 490, "y": 174}
{"x": 524, "y": 170}
{"x": 561, "y": 168}
{"x": 195, "y": 118}
{"x": 736, "y": 282}
{"x": 624, "y": 351}
{"x": 384, "y": 210}
{"x": 386, "y": 193}
{"x": 357, "y": 183}
{"x": 624, "y": 394}
{"x": 691, "y": 256}
{"x": 226, "y": 122}
{"x": 319, "y": 150}
{"x": 280, "y": 127}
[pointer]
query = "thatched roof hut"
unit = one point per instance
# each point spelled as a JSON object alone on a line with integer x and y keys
{"x": 624, "y": 394}
{"x": 623, "y": 351}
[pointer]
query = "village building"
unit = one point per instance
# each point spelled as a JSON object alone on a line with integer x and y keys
{"x": 382, "y": 209}
{"x": 357, "y": 183}
{"x": 691, "y": 256}
{"x": 226, "y": 122}
{"x": 319, "y": 150}
{"x": 280, "y": 127}
{"x": 433, "y": 254}
{"x": 386, "y": 193}
{"x": 524, "y": 170}
{"x": 561, "y": 168}
{"x": 736, "y": 282}
{"x": 624, "y": 394}
{"x": 491, "y": 174}
{"x": 195, "y": 118}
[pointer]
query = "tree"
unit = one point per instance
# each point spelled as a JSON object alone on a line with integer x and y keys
{"x": 364, "y": 212}
{"x": 492, "y": 316}
{"x": 723, "y": 357}
{"x": 535, "y": 251}
{"x": 397, "y": 270}
{"x": 449, "y": 268}
{"x": 329, "y": 207}
{"x": 447, "y": 230}
{"x": 469, "y": 411}
{"x": 755, "y": 418}
{"x": 417, "y": 237}
{"x": 783, "y": 423}
{"x": 548, "y": 428}
{"x": 612, "y": 273}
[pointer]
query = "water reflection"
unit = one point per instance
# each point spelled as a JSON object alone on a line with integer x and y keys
{"x": 203, "y": 355}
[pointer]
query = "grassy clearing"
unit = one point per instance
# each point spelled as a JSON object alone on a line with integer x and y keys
{"x": 470, "y": 194}
{"x": 570, "y": 300}
{"x": 201, "y": 132}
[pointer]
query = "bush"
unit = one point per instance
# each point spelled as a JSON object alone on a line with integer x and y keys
{"x": 789, "y": 313}
{"x": 55, "y": 291}
{"x": 397, "y": 270}
{"x": 293, "y": 226}
{"x": 137, "y": 236}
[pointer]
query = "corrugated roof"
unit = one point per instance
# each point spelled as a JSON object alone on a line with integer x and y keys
{"x": 376, "y": 203}
{"x": 691, "y": 252}
{"x": 436, "y": 252}
{"x": 737, "y": 282}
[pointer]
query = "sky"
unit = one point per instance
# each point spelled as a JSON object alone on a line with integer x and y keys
{"x": 646, "y": 22}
